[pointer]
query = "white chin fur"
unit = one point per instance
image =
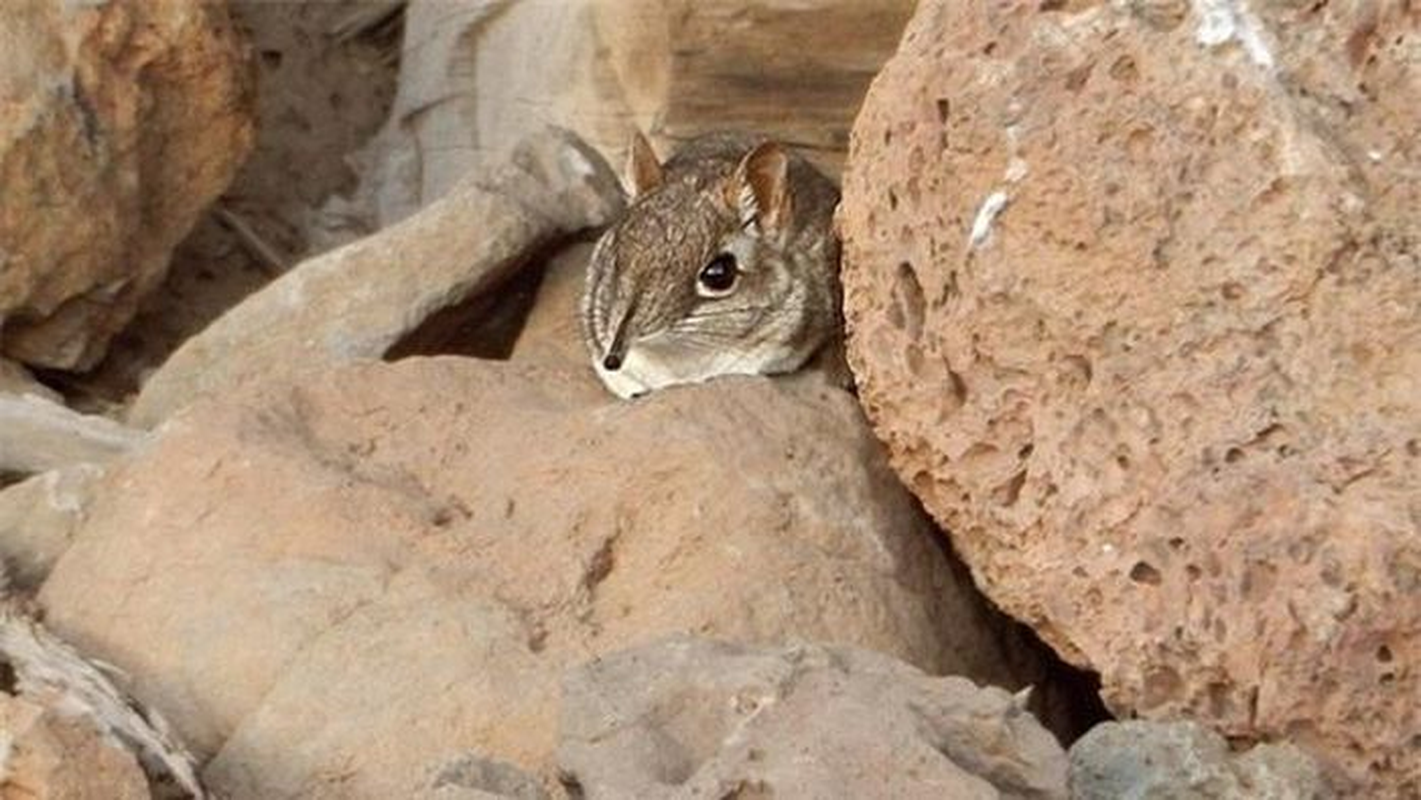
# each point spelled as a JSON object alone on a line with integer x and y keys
{"x": 644, "y": 371}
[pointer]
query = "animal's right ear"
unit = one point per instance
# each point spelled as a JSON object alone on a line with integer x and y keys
{"x": 643, "y": 170}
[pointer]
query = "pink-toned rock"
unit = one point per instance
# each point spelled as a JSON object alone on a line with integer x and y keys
{"x": 119, "y": 123}
{"x": 50, "y": 756}
{"x": 338, "y": 585}
{"x": 1135, "y": 301}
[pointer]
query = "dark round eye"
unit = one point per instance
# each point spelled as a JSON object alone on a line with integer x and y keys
{"x": 719, "y": 275}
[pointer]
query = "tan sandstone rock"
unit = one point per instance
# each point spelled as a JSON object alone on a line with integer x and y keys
{"x": 119, "y": 122}
{"x": 360, "y": 300}
{"x": 688, "y": 718}
{"x": 1138, "y": 314}
{"x": 48, "y": 756}
{"x": 477, "y": 76}
{"x": 343, "y": 585}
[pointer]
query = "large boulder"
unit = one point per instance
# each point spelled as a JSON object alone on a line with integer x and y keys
{"x": 121, "y": 122}
{"x": 346, "y": 583}
{"x": 1134, "y": 300}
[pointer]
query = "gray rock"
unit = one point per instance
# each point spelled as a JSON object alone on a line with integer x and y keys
{"x": 37, "y": 434}
{"x": 690, "y": 718}
{"x": 1140, "y": 760}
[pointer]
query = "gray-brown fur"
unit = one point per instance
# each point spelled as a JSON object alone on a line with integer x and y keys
{"x": 720, "y": 193}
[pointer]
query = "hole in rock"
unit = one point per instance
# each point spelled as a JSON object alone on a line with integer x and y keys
{"x": 1145, "y": 572}
{"x": 1009, "y": 492}
{"x": 1384, "y": 654}
{"x": 944, "y": 109}
{"x": 9, "y": 681}
{"x": 1125, "y": 70}
{"x": 486, "y": 326}
{"x": 908, "y": 299}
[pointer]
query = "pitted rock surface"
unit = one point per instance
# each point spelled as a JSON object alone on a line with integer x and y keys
{"x": 1134, "y": 300}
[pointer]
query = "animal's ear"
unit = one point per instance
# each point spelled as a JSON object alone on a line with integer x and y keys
{"x": 643, "y": 170}
{"x": 759, "y": 189}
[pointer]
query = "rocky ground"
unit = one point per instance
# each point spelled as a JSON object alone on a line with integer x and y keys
{"x": 307, "y": 490}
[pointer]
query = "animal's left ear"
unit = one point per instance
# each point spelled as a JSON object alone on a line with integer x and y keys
{"x": 759, "y": 190}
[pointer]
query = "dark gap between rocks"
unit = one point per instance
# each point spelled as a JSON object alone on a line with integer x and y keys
{"x": 486, "y": 325}
{"x": 1066, "y": 699}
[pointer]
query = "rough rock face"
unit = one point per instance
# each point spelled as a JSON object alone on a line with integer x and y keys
{"x": 48, "y": 755}
{"x": 473, "y": 528}
{"x": 1135, "y": 301}
{"x": 478, "y": 76}
{"x": 1186, "y": 760}
{"x": 121, "y": 122}
{"x": 687, "y": 718}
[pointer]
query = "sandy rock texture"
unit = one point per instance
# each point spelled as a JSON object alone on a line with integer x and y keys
{"x": 477, "y": 76}
{"x": 121, "y": 122}
{"x": 1134, "y": 299}
{"x": 1186, "y": 760}
{"x": 280, "y": 553}
{"x": 688, "y": 718}
{"x": 51, "y": 756}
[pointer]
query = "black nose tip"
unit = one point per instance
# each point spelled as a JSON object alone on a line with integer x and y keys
{"x": 612, "y": 362}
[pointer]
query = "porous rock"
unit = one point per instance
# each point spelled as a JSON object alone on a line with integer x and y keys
{"x": 1134, "y": 300}
{"x": 1186, "y": 761}
{"x": 50, "y": 755}
{"x": 335, "y": 585}
{"x": 121, "y": 122}
{"x": 688, "y": 718}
